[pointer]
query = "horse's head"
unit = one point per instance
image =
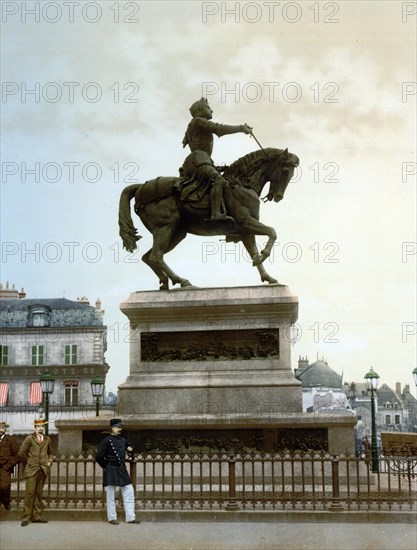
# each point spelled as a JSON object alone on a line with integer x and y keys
{"x": 280, "y": 171}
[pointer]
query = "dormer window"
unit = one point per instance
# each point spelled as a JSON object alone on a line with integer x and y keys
{"x": 38, "y": 316}
{"x": 38, "y": 319}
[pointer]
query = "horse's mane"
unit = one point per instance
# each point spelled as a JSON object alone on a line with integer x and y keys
{"x": 246, "y": 166}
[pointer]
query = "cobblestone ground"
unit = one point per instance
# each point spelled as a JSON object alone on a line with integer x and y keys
{"x": 207, "y": 535}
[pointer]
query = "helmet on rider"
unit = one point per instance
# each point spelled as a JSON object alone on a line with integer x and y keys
{"x": 201, "y": 108}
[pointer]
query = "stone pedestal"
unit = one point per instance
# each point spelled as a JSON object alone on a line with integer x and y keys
{"x": 212, "y": 368}
{"x": 211, "y": 351}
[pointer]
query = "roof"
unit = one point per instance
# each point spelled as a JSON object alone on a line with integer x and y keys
{"x": 319, "y": 374}
{"x": 387, "y": 395}
{"x": 60, "y": 311}
{"x": 355, "y": 389}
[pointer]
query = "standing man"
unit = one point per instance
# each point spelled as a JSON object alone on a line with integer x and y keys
{"x": 36, "y": 453}
{"x": 111, "y": 457}
{"x": 359, "y": 433}
{"x": 8, "y": 460}
{"x": 201, "y": 175}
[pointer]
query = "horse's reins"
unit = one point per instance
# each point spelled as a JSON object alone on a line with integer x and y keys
{"x": 264, "y": 199}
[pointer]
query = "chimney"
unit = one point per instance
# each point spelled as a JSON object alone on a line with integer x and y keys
{"x": 98, "y": 304}
{"x": 22, "y": 294}
{"x": 8, "y": 293}
{"x": 398, "y": 388}
{"x": 407, "y": 388}
{"x": 302, "y": 365}
{"x": 83, "y": 300}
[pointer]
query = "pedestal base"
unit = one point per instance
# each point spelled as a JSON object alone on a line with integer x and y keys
{"x": 211, "y": 368}
{"x": 272, "y": 432}
{"x": 204, "y": 351}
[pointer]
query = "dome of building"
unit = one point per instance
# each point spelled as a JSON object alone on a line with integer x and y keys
{"x": 319, "y": 374}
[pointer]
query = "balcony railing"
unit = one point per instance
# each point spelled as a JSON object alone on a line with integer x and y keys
{"x": 216, "y": 481}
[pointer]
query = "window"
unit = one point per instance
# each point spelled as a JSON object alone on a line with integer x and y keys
{"x": 387, "y": 419}
{"x": 71, "y": 354}
{"x": 397, "y": 419}
{"x": 4, "y": 391}
{"x": 38, "y": 315}
{"x": 38, "y": 356}
{"x": 71, "y": 392}
{"x": 38, "y": 319}
{"x": 35, "y": 394}
{"x": 4, "y": 356}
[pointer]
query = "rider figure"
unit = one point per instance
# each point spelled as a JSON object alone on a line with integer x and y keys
{"x": 198, "y": 169}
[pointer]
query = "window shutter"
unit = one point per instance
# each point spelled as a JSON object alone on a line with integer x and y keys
{"x": 4, "y": 356}
{"x": 67, "y": 354}
{"x": 41, "y": 355}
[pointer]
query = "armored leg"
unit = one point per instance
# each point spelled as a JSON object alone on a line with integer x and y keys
{"x": 216, "y": 197}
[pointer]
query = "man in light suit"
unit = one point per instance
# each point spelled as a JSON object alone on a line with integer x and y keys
{"x": 36, "y": 453}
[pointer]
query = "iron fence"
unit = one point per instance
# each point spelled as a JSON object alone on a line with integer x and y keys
{"x": 219, "y": 481}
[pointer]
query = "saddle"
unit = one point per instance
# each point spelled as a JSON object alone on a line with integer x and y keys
{"x": 155, "y": 190}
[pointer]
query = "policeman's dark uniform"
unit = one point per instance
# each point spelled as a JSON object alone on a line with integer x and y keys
{"x": 111, "y": 457}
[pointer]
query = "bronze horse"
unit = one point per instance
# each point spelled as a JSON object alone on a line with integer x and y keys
{"x": 161, "y": 211}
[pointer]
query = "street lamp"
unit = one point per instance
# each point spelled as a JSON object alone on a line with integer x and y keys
{"x": 415, "y": 376}
{"x": 97, "y": 389}
{"x": 47, "y": 384}
{"x": 372, "y": 380}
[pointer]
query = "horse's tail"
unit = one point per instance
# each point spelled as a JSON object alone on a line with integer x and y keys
{"x": 127, "y": 232}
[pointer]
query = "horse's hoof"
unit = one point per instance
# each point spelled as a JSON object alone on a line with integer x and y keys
{"x": 182, "y": 282}
{"x": 270, "y": 280}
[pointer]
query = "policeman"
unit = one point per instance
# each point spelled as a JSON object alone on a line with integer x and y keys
{"x": 111, "y": 457}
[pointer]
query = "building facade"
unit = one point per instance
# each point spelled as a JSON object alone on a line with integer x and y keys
{"x": 64, "y": 338}
{"x": 395, "y": 409}
{"x": 322, "y": 387}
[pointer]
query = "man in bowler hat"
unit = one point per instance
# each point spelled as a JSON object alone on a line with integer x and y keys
{"x": 8, "y": 459}
{"x": 111, "y": 457}
{"x": 37, "y": 454}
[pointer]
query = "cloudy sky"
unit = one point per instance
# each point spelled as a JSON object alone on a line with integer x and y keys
{"x": 95, "y": 96}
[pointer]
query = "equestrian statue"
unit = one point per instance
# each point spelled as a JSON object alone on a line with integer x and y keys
{"x": 207, "y": 200}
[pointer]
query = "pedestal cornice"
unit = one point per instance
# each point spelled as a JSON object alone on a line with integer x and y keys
{"x": 209, "y": 303}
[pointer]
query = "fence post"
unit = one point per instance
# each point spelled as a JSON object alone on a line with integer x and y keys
{"x": 232, "y": 504}
{"x": 335, "y": 505}
{"x": 133, "y": 472}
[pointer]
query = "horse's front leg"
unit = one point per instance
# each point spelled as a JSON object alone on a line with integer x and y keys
{"x": 251, "y": 225}
{"x": 250, "y": 245}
